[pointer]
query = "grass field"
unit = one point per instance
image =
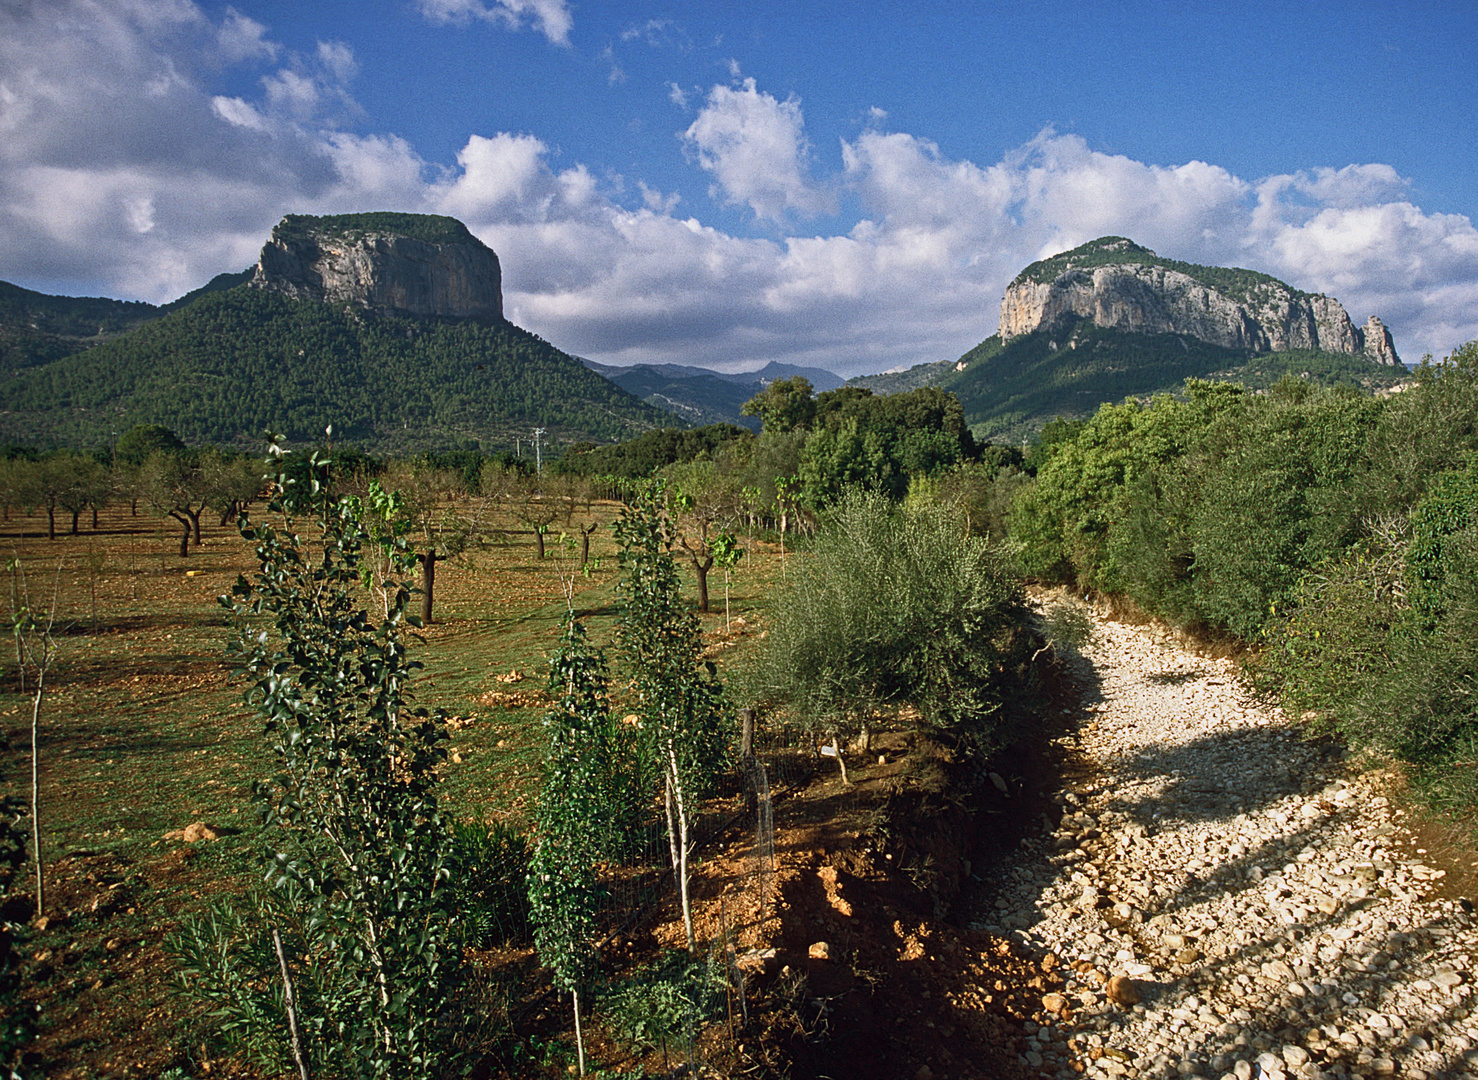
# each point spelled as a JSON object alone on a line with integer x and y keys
{"x": 143, "y": 732}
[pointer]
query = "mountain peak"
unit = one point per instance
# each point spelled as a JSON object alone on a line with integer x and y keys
{"x": 411, "y": 264}
{"x": 1117, "y": 284}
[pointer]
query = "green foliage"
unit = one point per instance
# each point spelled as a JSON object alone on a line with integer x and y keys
{"x": 429, "y": 228}
{"x": 572, "y": 818}
{"x": 1206, "y": 510}
{"x": 489, "y": 868}
{"x": 642, "y": 456}
{"x": 784, "y": 405}
{"x": 70, "y": 317}
{"x": 665, "y": 1003}
{"x": 240, "y": 361}
{"x": 138, "y": 442}
{"x": 880, "y": 442}
{"x": 360, "y": 857}
{"x": 1444, "y": 517}
{"x": 677, "y": 693}
{"x": 895, "y": 606}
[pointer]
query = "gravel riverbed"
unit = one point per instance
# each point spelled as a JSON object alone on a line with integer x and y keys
{"x": 1248, "y": 887}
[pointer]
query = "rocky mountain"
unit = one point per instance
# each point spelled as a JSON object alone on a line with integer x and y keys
{"x": 387, "y": 326}
{"x": 407, "y": 264}
{"x": 1110, "y": 320}
{"x": 1117, "y": 284}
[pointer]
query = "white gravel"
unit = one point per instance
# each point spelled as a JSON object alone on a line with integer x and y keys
{"x": 1249, "y": 883}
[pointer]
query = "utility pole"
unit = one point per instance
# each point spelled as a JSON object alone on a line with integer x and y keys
{"x": 538, "y": 451}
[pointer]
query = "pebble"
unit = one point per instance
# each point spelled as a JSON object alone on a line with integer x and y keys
{"x": 1249, "y": 886}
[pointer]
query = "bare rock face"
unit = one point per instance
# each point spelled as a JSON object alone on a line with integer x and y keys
{"x": 411, "y": 264}
{"x": 1118, "y": 284}
{"x": 1378, "y": 344}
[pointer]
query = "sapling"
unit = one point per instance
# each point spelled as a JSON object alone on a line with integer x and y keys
{"x": 679, "y": 696}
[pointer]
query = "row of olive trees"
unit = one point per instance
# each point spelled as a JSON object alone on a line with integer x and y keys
{"x": 179, "y": 484}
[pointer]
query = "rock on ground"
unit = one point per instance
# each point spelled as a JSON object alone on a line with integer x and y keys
{"x": 1247, "y": 882}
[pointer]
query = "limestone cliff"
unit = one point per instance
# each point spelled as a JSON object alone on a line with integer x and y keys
{"x": 412, "y": 264}
{"x": 1120, "y": 285}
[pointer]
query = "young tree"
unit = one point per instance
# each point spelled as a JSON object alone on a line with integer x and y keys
{"x": 562, "y": 880}
{"x": 679, "y": 697}
{"x": 35, "y": 653}
{"x": 360, "y": 859}
{"x": 536, "y": 508}
{"x": 704, "y": 500}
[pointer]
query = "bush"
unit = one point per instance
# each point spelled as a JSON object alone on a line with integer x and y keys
{"x": 894, "y": 606}
{"x": 666, "y": 1003}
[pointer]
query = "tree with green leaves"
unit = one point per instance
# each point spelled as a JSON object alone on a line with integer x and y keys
{"x": 679, "y": 698}
{"x": 359, "y": 851}
{"x": 174, "y": 486}
{"x": 897, "y": 606}
{"x": 571, "y": 815}
{"x": 783, "y": 405}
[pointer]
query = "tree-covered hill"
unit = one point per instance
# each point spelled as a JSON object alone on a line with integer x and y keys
{"x": 1009, "y": 391}
{"x": 242, "y": 360}
{"x": 701, "y": 396}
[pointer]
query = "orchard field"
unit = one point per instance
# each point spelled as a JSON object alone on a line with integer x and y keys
{"x": 143, "y": 733}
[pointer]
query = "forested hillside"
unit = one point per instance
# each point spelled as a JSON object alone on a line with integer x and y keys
{"x": 240, "y": 361}
{"x": 1009, "y": 391}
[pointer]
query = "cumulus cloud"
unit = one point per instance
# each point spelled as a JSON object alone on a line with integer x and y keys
{"x": 551, "y": 18}
{"x": 125, "y": 171}
{"x": 755, "y": 147}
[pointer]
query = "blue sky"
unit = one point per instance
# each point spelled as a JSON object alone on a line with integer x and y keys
{"x": 849, "y": 186}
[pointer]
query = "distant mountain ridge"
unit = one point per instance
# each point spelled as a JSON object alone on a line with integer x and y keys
{"x": 1120, "y": 285}
{"x": 406, "y": 264}
{"x": 701, "y": 396}
{"x": 1111, "y": 319}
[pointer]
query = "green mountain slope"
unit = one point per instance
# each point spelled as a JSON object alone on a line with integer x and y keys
{"x": 1009, "y": 391}
{"x": 237, "y": 362}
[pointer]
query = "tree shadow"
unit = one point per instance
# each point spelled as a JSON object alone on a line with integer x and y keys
{"x": 1323, "y": 973}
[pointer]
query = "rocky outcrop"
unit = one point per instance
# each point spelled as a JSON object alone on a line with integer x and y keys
{"x": 1119, "y": 285}
{"x": 1378, "y": 344}
{"x": 407, "y": 264}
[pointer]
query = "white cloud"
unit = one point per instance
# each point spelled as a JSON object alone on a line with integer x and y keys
{"x": 125, "y": 171}
{"x": 551, "y": 18}
{"x": 242, "y": 38}
{"x": 756, "y": 149}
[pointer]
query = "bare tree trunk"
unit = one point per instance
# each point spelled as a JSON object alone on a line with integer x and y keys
{"x": 36, "y": 792}
{"x": 94, "y": 518}
{"x": 539, "y": 542}
{"x": 184, "y": 533}
{"x": 51, "y": 523}
{"x": 700, "y": 569}
{"x": 76, "y": 515}
{"x": 579, "y": 1035}
{"x": 292, "y": 1010}
{"x": 428, "y": 585}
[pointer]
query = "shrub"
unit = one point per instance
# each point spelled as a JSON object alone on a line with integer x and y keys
{"x": 894, "y": 606}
